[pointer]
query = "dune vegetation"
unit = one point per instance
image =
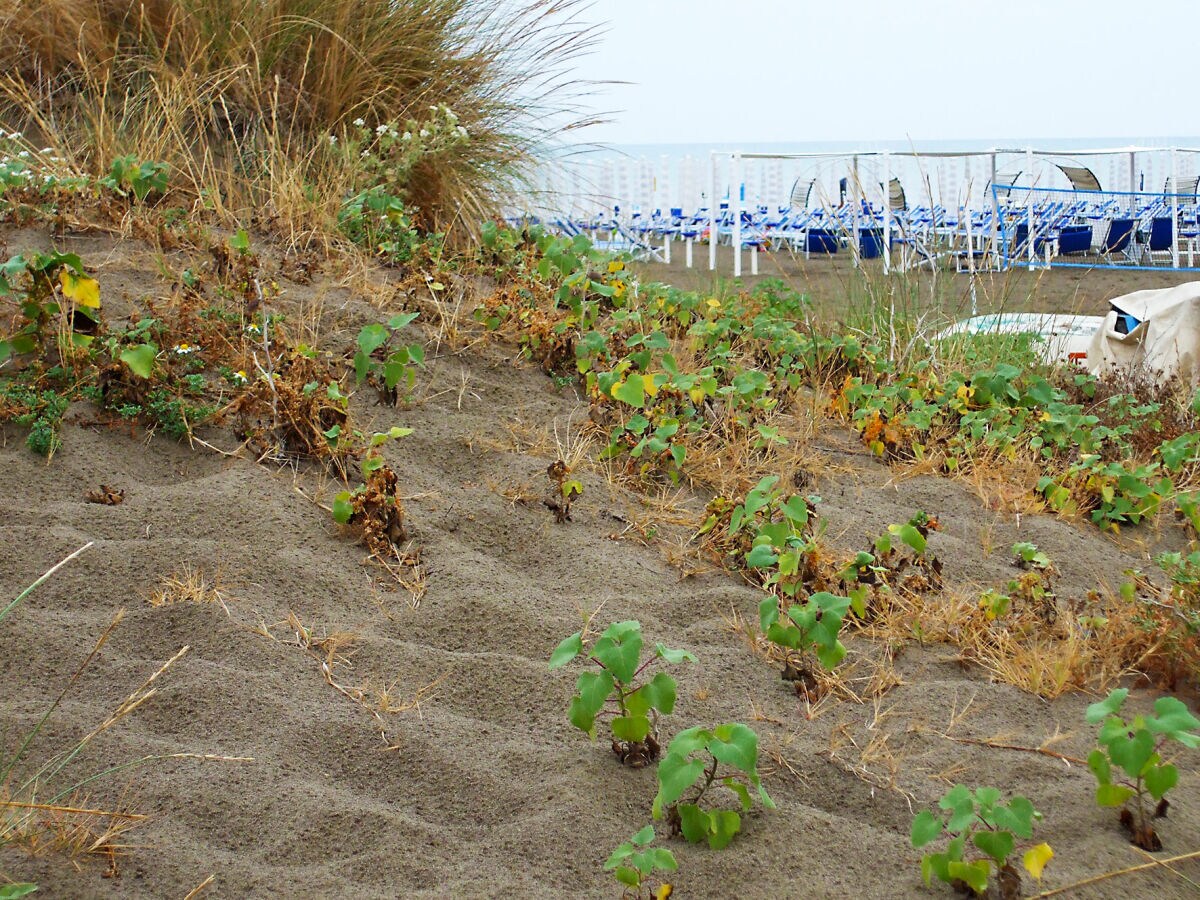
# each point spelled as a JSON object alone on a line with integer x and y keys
{"x": 430, "y": 555}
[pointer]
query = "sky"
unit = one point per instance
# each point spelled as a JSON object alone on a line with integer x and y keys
{"x": 749, "y": 71}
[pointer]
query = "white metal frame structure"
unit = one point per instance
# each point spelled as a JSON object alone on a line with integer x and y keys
{"x": 736, "y": 202}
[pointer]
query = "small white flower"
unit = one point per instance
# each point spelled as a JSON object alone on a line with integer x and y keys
{"x": 392, "y": 133}
{"x": 433, "y": 109}
{"x": 240, "y": 377}
{"x": 364, "y": 154}
{"x": 462, "y": 131}
{"x": 23, "y": 154}
{"x": 185, "y": 348}
{"x": 16, "y": 136}
{"x": 333, "y": 139}
{"x": 253, "y": 328}
{"x": 451, "y": 117}
{"x": 359, "y": 123}
{"x": 424, "y": 132}
{"x": 381, "y": 129}
{"x": 47, "y": 149}
{"x": 407, "y": 136}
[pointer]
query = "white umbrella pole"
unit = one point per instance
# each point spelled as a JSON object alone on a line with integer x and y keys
{"x": 1029, "y": 205}
{"x": 887, "y": 213}
{"x": 1174, "y": 209}
{"x": 737, "y": 214}
{"x": 712, "y": 215}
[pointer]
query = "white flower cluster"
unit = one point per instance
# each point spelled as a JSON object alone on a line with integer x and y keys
{"x": 390, "y": 151}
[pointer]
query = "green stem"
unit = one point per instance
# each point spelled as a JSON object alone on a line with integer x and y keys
{"x": 709, "y": 774}
{"x": 29, "y": 590}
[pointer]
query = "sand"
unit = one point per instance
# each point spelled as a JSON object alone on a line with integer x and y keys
{"x": 485, "y": 789}
{"x": 829, "y": 280}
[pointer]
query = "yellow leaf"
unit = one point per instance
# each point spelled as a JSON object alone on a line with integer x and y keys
{"x": 615, "y": 266}
{"x": 1035, "y": 860}
{"x": 697, "y": 395}
{"x": 650, "y": 385}
{"x": 663, "y": 892}
{"x": 713, "y": 303}
{"x": 83, "y": 290}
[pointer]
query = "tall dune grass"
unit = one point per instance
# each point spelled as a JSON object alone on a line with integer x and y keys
{"x": 241, "y": 96}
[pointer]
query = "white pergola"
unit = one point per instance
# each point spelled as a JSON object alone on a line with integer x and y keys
{"x": 737, "y": 157}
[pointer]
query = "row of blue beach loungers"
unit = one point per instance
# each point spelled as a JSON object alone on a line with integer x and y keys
{"x": 1120, "y": 230}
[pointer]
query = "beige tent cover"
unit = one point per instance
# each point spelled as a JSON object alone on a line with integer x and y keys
{"x": 1166, "y": 341}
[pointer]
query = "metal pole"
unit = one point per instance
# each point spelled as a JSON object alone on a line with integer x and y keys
{"x": 737, "y": 214}
{"x": 1174, "y": 209}
{"x": 995, "y": 218}
{"x": 887, "y": 212}
{"x": 712, "y": 215}
{"x": 1029, "y": 204}
{"x": 1132, "y": 181}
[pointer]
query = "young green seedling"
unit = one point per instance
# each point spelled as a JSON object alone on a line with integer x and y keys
{"x": 991, "y": 827}
{"x": 692, "y": 764}
{"x": 635, "y": 862}
{"x": 387, "y": 366}
{"x": 810, "y": 628}
{"x": 1029, "y": 557}
{"x": 634, "y": 702}
{"x": 1134, "y": 747}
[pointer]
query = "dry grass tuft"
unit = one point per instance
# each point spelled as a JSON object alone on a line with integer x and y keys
{"x": 190, "y": 585}
{"x": 333, "y": 649}
{"x": 73, "y": 827}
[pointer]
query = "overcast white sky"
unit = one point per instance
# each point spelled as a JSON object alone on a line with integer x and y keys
{"x": 815, "y": 70}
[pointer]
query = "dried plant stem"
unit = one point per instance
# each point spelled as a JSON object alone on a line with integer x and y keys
{"x": 1195, "y": 854}
{"x": 999, "y": 746}
{"x": 195, "y": 892}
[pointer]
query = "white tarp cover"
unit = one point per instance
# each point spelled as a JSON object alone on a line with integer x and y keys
{"x": 1165, "y": 341}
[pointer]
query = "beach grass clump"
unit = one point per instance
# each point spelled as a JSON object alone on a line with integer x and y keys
{"x": 254, "y": 120}
{"x": 44, "y": 805}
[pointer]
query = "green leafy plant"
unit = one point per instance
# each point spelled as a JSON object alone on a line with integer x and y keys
{"x": 635, "y": 862}
{"x": 811, "y": 628}
{"x": 1187, "y": 507}
{"x": 39, "y": 411}
{"x": 346, "y": 503}
{"x": 12, "y": 891}
{"x": 635, "y": 702}
{"x": 384, "y": 365}
{"x": 1129, "y": 765}
{"x": 977, "y": 820}
{"x": 128, "y": 174}
{"x": 1116, "y": 495}
{"x": 49, "y": 288}
{"x": 692, "y": 765}
{"x": 1029, "y": 557}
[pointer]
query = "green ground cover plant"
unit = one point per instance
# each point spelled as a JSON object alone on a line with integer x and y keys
{"x": 634, "y": 864}
{"x": 621, "y": 688}
{"x": 983, "y": 834}
{"x": 1131, "y": 772}
{"x": 693, "y": 764}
